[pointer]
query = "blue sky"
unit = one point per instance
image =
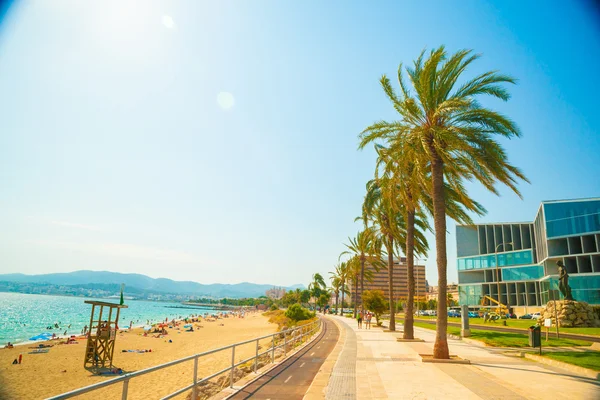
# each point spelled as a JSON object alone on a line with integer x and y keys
{"x": 115, "y": 153}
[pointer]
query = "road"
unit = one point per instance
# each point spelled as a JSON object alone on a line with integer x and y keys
{"x": 562, "y": 334}
{"x": 292, "y": 378}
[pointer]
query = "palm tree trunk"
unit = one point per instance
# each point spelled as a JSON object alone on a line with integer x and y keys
{"x": 337, "y": 297}
{"x": 343, "y": 288}
{"x": 355, "y": 295}
{"x": 390, "y": 251}
{"x": 362, "y": 285}
{"x": 410, "y": 266}
{"x": 440, "y": 348}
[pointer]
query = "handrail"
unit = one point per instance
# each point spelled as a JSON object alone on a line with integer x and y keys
{"x": 125, "y": 378}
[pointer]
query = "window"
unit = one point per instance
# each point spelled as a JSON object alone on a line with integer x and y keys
{"x": 572, "y": 218}
{"x": 532, "y": 272}
{"x": 523, "y": 257}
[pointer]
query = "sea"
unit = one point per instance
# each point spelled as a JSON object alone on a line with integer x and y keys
{"x": 24, "y": 316}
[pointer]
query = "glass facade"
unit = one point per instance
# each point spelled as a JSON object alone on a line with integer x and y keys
{"x": 532, "y": 272}
{"x": 469, "y": 294}
{"x": 489, "y": 261}
{"x": 572, "y": 218}
{"x": 583, "y": 288}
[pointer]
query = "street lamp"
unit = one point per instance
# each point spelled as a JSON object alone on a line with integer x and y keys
{"x": 498, "y": 274}
{"x": 417, "y": 290}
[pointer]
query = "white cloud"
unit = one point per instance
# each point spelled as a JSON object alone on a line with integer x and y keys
{"x": 225, "y": 100}
{"x": 168, "y": 22}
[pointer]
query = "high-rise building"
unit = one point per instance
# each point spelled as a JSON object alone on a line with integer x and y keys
{"x": 515, "y": 263}
{"x": 380, "y": 281}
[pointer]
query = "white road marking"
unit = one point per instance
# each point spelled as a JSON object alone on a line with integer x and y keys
{"x": 302, "y": 365}
{"x": 289, "y": 377}
{"x": 312, "y": 354}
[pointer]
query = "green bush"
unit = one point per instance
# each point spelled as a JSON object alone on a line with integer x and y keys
{"x": 298, "y": 313}
{"x": 274, "y": 307}
{"x": 375, "y": 301}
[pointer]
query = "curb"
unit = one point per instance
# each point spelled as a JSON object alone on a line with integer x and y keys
{"x": 455, "y": 360}
{"x": 317, "y": 389}
{"x": 586, "y": 372}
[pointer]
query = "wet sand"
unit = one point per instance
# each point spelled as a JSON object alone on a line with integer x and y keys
{"x": 61, "y": 369}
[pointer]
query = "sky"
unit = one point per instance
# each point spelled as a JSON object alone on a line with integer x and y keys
{"x": 217, "y": 141}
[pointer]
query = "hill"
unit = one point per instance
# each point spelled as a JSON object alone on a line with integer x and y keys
{"x": 142, "y": 283}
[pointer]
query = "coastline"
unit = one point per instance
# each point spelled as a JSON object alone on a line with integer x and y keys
{"x": 27, "y": 315}
{"x": 61, "y": 368}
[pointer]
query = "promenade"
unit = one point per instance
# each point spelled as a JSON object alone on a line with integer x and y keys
{"x": 372, "y": 365}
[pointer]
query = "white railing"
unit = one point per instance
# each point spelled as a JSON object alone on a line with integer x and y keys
{"x": 306, "y": 331}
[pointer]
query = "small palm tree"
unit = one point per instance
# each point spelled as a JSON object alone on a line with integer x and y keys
{"x": 317, "y": 286}
{"x": 338, "y": 282}
{"x": 443, "y": 123}
{"x": 367, "y": 248}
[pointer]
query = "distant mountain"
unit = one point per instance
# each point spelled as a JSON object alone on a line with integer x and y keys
{"x": 143, "y": 283}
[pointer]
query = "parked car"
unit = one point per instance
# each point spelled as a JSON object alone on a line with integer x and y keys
{"x": 473, "y": 314}
{"x": 421, "y": 313}
{"x": 454, "y": 313}
{"x": 525, "y": 316}
{"x": 536, "y": 316}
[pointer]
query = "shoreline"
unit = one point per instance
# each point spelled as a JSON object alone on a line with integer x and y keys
{"x": 28, "y": 315}
{"x": 84, "y": 337}
{"x": 61, "y": 369}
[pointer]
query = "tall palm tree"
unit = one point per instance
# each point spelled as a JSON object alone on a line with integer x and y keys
{"x": 366, "y": 246}
{"x": 383, "y": 206}
{"x": 445, "y": 124}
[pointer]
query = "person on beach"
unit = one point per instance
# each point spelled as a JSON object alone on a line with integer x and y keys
{"x": 359, "y": 318}
{"x": 9, "y": 345}
{"x": 368, "y": 320}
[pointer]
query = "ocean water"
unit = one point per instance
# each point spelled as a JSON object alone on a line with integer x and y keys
{"x": 23, "y": 316}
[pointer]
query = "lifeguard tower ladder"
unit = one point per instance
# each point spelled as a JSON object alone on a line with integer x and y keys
{"x": 101, "y": 336}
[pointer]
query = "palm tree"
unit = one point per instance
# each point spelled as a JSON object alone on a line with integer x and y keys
{"x": 317, "y": 286}
{"x": 383, "y": 206}
{"x": 336, "y": 286}
{"x": 367, "y": 248}
{"x": 338, "y": 282}
{"x": 445, "y": 124}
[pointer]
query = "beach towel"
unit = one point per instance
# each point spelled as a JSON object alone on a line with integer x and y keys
{"x": 39, "y": 351}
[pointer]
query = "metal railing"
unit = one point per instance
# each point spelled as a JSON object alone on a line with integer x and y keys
{"x": 276, "y": 342}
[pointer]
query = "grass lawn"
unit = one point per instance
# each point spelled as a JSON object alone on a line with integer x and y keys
{"x": 585, "y": 359}
{"x": 501, "y": 339}
{"x": 522, "y": 323}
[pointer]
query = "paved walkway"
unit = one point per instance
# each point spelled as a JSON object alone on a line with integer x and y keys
{"x": 291, "y": 378}
{"x": 387, "y": 369}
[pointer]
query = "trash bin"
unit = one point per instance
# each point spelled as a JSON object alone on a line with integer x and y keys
{"x": 535, "y": 336}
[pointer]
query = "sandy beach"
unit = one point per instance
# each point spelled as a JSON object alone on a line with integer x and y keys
{"x": 61, "y": 369}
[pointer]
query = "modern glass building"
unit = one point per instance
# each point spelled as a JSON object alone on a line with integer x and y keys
{"x": 515, "y": 263}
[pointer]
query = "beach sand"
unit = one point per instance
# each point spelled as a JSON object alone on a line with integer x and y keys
{"x": 61, "y": 369}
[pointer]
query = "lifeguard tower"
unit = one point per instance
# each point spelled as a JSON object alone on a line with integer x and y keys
{"x": 101, "y": 336}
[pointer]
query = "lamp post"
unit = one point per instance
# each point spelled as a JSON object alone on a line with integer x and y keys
{"x": 417, "y": 289}
{"x": 525, "y": 302}
{"x": 498, "y": 275}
